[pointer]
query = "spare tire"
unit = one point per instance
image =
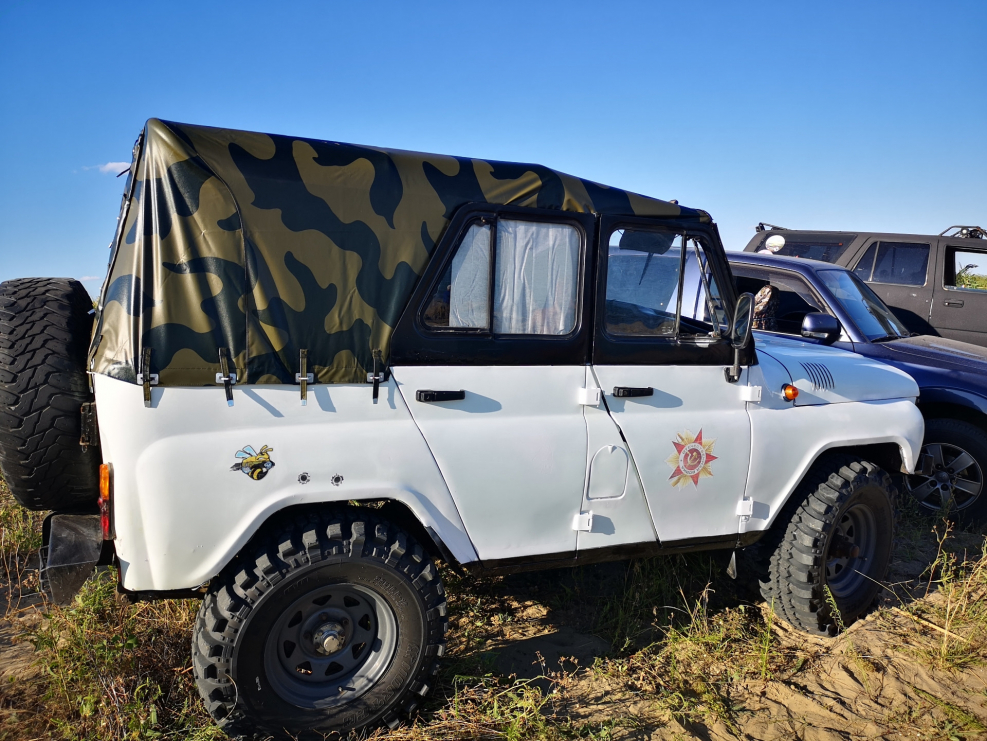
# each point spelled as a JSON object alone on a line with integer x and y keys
{"x": 45, "y": 327}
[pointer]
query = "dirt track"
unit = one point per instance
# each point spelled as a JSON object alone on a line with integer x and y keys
{"x": 875, "y": 681}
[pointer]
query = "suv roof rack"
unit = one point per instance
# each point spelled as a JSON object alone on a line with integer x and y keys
{"x": 763, "y": 226}
{"x": 970, "y": 232}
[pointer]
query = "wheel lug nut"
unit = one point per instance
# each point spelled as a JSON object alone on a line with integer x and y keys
{"x": 308, "y": 635}
{"x": 324, "y": 616}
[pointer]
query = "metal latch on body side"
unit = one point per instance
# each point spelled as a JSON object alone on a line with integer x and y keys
{"x": 745, "y": 510}
{"x": 380, "y": 374}
{"x": 303, "y": 377}
{"x": 225, "y": 377}
{"x": 145, "y": 378}
{"x": 590, "y": 397}
{"x": 750, "y": 393}
{"x": 582, "y": 522}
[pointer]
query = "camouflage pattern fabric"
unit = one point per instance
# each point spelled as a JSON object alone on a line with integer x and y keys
{"x": 265, "y": 245}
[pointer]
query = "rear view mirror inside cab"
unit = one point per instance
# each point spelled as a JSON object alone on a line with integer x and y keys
{"x": 657, "y": 243}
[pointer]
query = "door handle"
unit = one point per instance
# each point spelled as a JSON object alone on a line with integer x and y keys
{"x": 626, "y": 392}
{"x": 953, "y": 302}
{"x": 428, "y": 395}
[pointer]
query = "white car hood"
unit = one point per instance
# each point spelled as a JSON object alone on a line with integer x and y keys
{"x": 825, "y": 375}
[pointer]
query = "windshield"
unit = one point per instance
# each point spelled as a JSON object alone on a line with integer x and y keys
{"x": 868, "y": 312}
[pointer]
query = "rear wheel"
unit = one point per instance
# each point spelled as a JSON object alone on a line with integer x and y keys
{"x": 831, "y": 545}
{"x": 956, "y": 484}
{"x": 45, "y": 327}
{"x": 332, "y": 624}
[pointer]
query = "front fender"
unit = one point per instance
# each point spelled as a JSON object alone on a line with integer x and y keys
{"x": 786, "y": 442}
{"x": 958, "y": 397}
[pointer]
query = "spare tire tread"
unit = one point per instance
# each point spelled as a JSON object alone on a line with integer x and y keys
{"x": 45, "y": 327}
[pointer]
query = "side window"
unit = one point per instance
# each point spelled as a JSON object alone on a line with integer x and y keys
{"x": 865, "y": 268}
{"x": 781, "y": 299}
{"x": 899, "y": 263}
{"x": 966, "y": 269}
{"x": 659, "y": 284}
{"x": 535, "y": 269}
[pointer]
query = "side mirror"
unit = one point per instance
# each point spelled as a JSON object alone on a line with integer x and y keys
{"x": 740, "y": 330}
{"x": 740, "y": 334}
{"x": 819, "y": 326}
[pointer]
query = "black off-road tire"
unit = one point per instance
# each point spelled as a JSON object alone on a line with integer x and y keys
{"x": 953, "y": 436}
{"x": 45, "y": 328}
{"x": 248, "y": 605}
{"x": 811, "y": 533}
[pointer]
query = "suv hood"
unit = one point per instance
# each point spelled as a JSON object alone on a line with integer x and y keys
{"x": 938, "y": 352}
{"x": 825, "y": 375}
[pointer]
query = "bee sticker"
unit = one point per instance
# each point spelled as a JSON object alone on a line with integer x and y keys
{"x": 254, "y": 464}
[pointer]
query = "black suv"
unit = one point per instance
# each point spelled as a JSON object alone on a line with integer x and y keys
{"x": 936, "y": 284}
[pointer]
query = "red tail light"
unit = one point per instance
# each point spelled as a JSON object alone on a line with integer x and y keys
{"x": 106, "y": 501}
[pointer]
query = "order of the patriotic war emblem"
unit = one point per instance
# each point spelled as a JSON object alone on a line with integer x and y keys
{"x": 691, "y": 459}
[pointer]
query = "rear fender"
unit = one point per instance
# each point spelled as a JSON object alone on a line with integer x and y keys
{"x": 183, "y": 508}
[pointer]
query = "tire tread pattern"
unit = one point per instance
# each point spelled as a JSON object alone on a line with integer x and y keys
{"x": 45, "y": 328}
{"x": 792, "y": 581}
{"x": 353, "y": 533}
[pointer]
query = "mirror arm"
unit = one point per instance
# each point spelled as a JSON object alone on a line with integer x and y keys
{"x": 732, "y": 374}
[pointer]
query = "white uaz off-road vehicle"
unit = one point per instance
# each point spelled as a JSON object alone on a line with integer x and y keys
{"x": 317, "y": 368}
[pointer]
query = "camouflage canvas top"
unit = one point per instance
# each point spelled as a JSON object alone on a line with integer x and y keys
{"x": 265, "y": 245}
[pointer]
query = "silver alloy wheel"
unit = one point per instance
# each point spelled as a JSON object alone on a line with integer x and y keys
{"x": 331, "y": 646}
{"x": 851, "y": 548}
{"x": 955, "y": 483}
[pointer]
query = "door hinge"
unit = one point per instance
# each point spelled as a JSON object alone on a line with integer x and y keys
{"x": 590, "y": 397}
{"x": 745, "y": 508}
{"x": 90, "y": 428}
{"x": 750, "y": 393}
{"x": 582, "y": 522}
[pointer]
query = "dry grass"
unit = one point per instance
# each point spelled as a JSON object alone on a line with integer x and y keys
{"x": 688, "y": 653}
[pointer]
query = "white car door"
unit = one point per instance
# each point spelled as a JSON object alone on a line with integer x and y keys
{"x": 493, "y": 379}
{"x": 659, "y": 357}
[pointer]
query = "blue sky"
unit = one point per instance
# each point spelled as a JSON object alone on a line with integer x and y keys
{"x": 863, "y": 115}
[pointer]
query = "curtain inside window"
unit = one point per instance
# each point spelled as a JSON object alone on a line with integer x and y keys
{"x": 536, "y": 275}
{"x": 469, "y": 290}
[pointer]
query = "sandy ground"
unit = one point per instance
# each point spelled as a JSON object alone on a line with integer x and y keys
{"x": 869, "y": 683}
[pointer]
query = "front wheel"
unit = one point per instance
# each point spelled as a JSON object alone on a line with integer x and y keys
{"x": 831, "y": 545}
{"x": 333, "y": 624}
{"x": 956, "y": 483}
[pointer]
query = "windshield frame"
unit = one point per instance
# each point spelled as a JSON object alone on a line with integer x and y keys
{"x": 893, "y": 329}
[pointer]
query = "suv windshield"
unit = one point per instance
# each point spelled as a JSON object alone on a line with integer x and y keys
{"x": 868, "y": 312}
{"x": 824, "y": 247}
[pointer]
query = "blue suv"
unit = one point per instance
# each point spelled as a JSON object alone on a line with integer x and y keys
{"x": 822, "y": 303}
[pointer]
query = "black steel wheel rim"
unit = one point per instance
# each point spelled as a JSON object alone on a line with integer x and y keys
{"x": 851, "y": 550}
{"x": 955, "y": 483}
{"x": 330, "y": 646}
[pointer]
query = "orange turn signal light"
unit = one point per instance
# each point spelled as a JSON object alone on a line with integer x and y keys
{"x": 105, "y": 494}
{"x": 789, "y": 392}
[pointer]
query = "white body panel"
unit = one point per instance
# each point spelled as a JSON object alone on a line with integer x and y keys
{"x": 513, "y": 452}
{"x": 613, "y": 488}
{"x": 687, "y": 400}
{"x": 181, "y": 514}
{"x": 511, "y": 471}
{"x": 854, "y": 377}
{"x": 787, "y": 439}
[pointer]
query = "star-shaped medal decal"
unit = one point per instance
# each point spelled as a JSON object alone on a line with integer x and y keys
{"x": 691, "y": 459}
